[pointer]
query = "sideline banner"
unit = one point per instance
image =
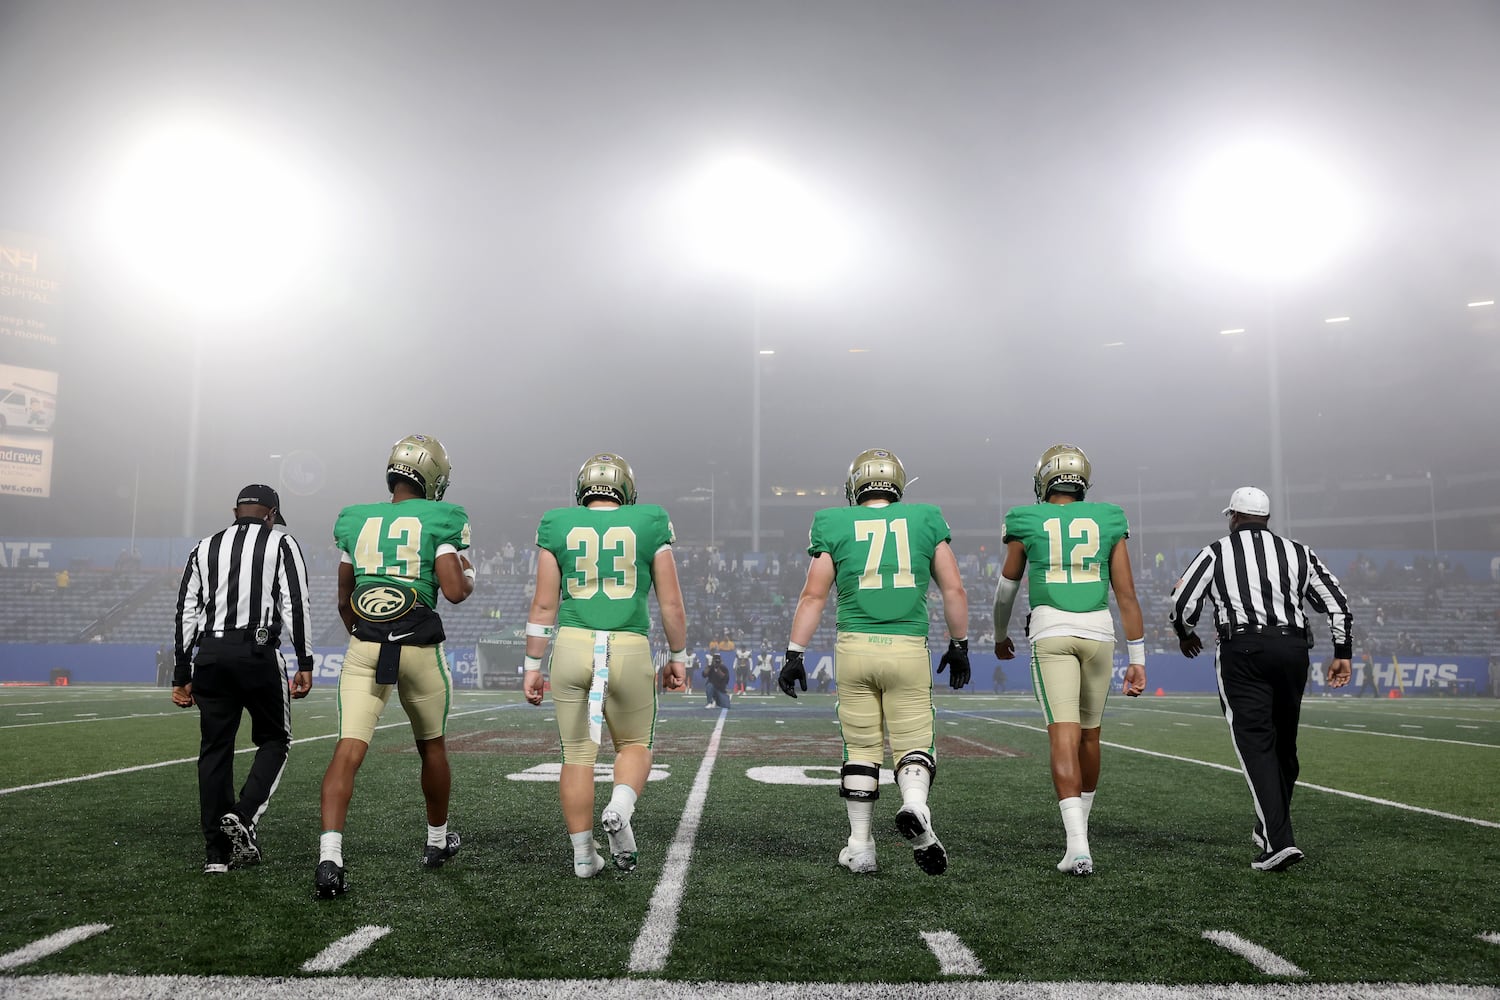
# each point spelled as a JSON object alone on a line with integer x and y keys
{"x": 30, "y": 308}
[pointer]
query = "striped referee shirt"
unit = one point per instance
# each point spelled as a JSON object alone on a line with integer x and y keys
{"x": 249, "y": 575}
{"x": 1257, "y": 579}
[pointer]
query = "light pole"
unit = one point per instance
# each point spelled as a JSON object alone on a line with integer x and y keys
{"x": 221, "y": 222}
{"x": 1432, "y": 508}
{"x": 747, "y": 216}
{"x": 1270, "y": 212}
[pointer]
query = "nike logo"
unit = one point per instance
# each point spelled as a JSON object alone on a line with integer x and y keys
{"x": 397, "y": 636}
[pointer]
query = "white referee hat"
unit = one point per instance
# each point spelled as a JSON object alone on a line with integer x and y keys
{"x": 1249, "y": 500}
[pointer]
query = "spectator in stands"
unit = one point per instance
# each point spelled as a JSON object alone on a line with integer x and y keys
{"x": 62, "y": 579}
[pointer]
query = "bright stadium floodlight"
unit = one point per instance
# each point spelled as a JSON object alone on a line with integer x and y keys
{"x": 741, "y": 214}
{"x": 1268, "y": 210}
{"x": 218, "y": 220}
{"x": 215, "y": 218}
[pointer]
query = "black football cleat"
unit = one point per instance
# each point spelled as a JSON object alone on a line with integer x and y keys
{"x": 243, "y": 846}
{"x": 330, "y": 880}
{"x": 433, "y": 857}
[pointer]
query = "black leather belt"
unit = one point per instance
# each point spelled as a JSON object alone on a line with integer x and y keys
{"x": 1290, "y": 631}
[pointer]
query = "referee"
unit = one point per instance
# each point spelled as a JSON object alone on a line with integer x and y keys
{"x": 242, "y": 587}
{"x": 1258, "y": 581}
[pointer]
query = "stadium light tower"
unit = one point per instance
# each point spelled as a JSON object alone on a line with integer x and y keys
{"x": 750, "y": 218}
{"x": 219, "y": 222}
{"x": 1271, "y": 213}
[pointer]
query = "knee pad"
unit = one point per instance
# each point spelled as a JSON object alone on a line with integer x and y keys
{"x": 919, "y": 758}
{"x": 860, "y": 782}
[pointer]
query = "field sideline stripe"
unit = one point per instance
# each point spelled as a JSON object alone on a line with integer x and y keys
{"x": 345, "y": 949}
{"x": 50, "y": 945}
{"x": 649, "y": 954}
{"x": 1234, "y": 770}
{"x": 1263, "y": 959}
{"x": 101, "y": 718}
{"x": 954, "y": 957}
{"x": 361, "y": 988}
{"x": 194, "y": 760}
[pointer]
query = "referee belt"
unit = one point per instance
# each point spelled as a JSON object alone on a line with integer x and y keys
{"x": 1290, "y": 631}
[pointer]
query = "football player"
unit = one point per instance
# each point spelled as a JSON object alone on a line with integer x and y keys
{"x": 596, "y": 565}
{"x": 397, "y": 557}
{"x": 1077, "y": 552}
{"x": 881, "y": 554}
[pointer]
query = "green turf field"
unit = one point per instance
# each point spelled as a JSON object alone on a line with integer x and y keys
{"x": 738, "y": 881}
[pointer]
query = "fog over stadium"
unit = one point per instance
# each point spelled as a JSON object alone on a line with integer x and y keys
{"x": 967, "y": 231}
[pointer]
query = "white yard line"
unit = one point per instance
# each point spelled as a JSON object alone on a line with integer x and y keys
{"x": 345, "y": 949}
{"x": 1490, "y": 937}
{"x": 94, "y": 718}
{"x": 193, "y": 760}
{"x": 1266, "y": 961}
{"x": 954, "y": 957}
{"x": 1360, "y": 731}
{"x": 654, "y": 942}
{"x": 1234, "y": 770}
{"x": 361, "y": 988}
{"x": 49, "y": 945}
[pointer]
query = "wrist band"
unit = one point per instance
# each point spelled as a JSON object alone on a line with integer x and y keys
{"x": 679, "y": 655}
{"x": 469, "y": 574}
{"x": 533, "y": 663}
{"x": 1136, "y": 650}
{"x": 796, "y": 647}
{"x": 540, "y": 631}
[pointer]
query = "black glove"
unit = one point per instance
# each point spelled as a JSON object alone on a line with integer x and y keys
{"x": 958, "y": 658}
{"x": 792, "y": 671}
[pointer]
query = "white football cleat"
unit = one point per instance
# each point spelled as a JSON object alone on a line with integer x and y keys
{"x": 859, "y": 860}
{"x": 588, "y": 869}
{"x": 1076, "y": 864}
{"x": 621, "y": 840}
{"x": 915, "y": 823}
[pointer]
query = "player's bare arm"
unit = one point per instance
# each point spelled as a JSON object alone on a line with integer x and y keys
{"x": 813, "y": 599}
{"x": 543, "y": 613}
{"x": 346, "y": 595}
{"x": 951, "y": 585}
{"x": 1122, "y": 582}
{"x": 673, "y": 615}
{"x": 1006, "y": 589}
{"x": 455, "y": 576}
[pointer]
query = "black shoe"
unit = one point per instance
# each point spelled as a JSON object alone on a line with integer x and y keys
{"x": 330, "y": 880}
{"x": 243, "y": 846}
{"x": 215, "y": 862}
{"x": 1277, "y": 861}
{"x": 433, "y": 857}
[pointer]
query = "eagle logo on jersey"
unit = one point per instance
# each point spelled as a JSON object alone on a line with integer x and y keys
{"x": 382, "y": 602}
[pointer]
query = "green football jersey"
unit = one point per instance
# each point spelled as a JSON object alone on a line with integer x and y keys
{"x": 1067, "y": 548}
{"x": 882, "y": 559}
{"x": 397, "y": 543}
{"x": 605, "y": 555}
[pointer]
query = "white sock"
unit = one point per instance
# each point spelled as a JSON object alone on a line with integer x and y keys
{"x": 914, "y": 780}
{"x": 623, "y": 802}
{"x": 331, "y": 847}
{"x": 437, "y": 836}
{"x": 861, "y": 813}
{"x": 1088, "y": 807}
{"x": 1075, "y": 823}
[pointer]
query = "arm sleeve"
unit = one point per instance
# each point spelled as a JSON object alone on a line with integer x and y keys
{"x": 189, "y": 601}
{"x": 1325, "y": 594}
{"x": 1187, "y": 596}
{"x": 296, "y": 602}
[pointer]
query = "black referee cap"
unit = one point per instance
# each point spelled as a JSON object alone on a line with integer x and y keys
{"x": 259, "y": 493}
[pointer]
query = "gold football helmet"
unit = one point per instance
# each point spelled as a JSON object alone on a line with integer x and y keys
{"x": 1063, "y": 468}
{"x": 606, "y": 475}
{"x": 421, "y": 460}
{"x": 875, "y": 471}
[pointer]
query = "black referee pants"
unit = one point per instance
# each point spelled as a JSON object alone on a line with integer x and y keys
{"x": 1261, "y": 679}
{"x": 229, "y": 680}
